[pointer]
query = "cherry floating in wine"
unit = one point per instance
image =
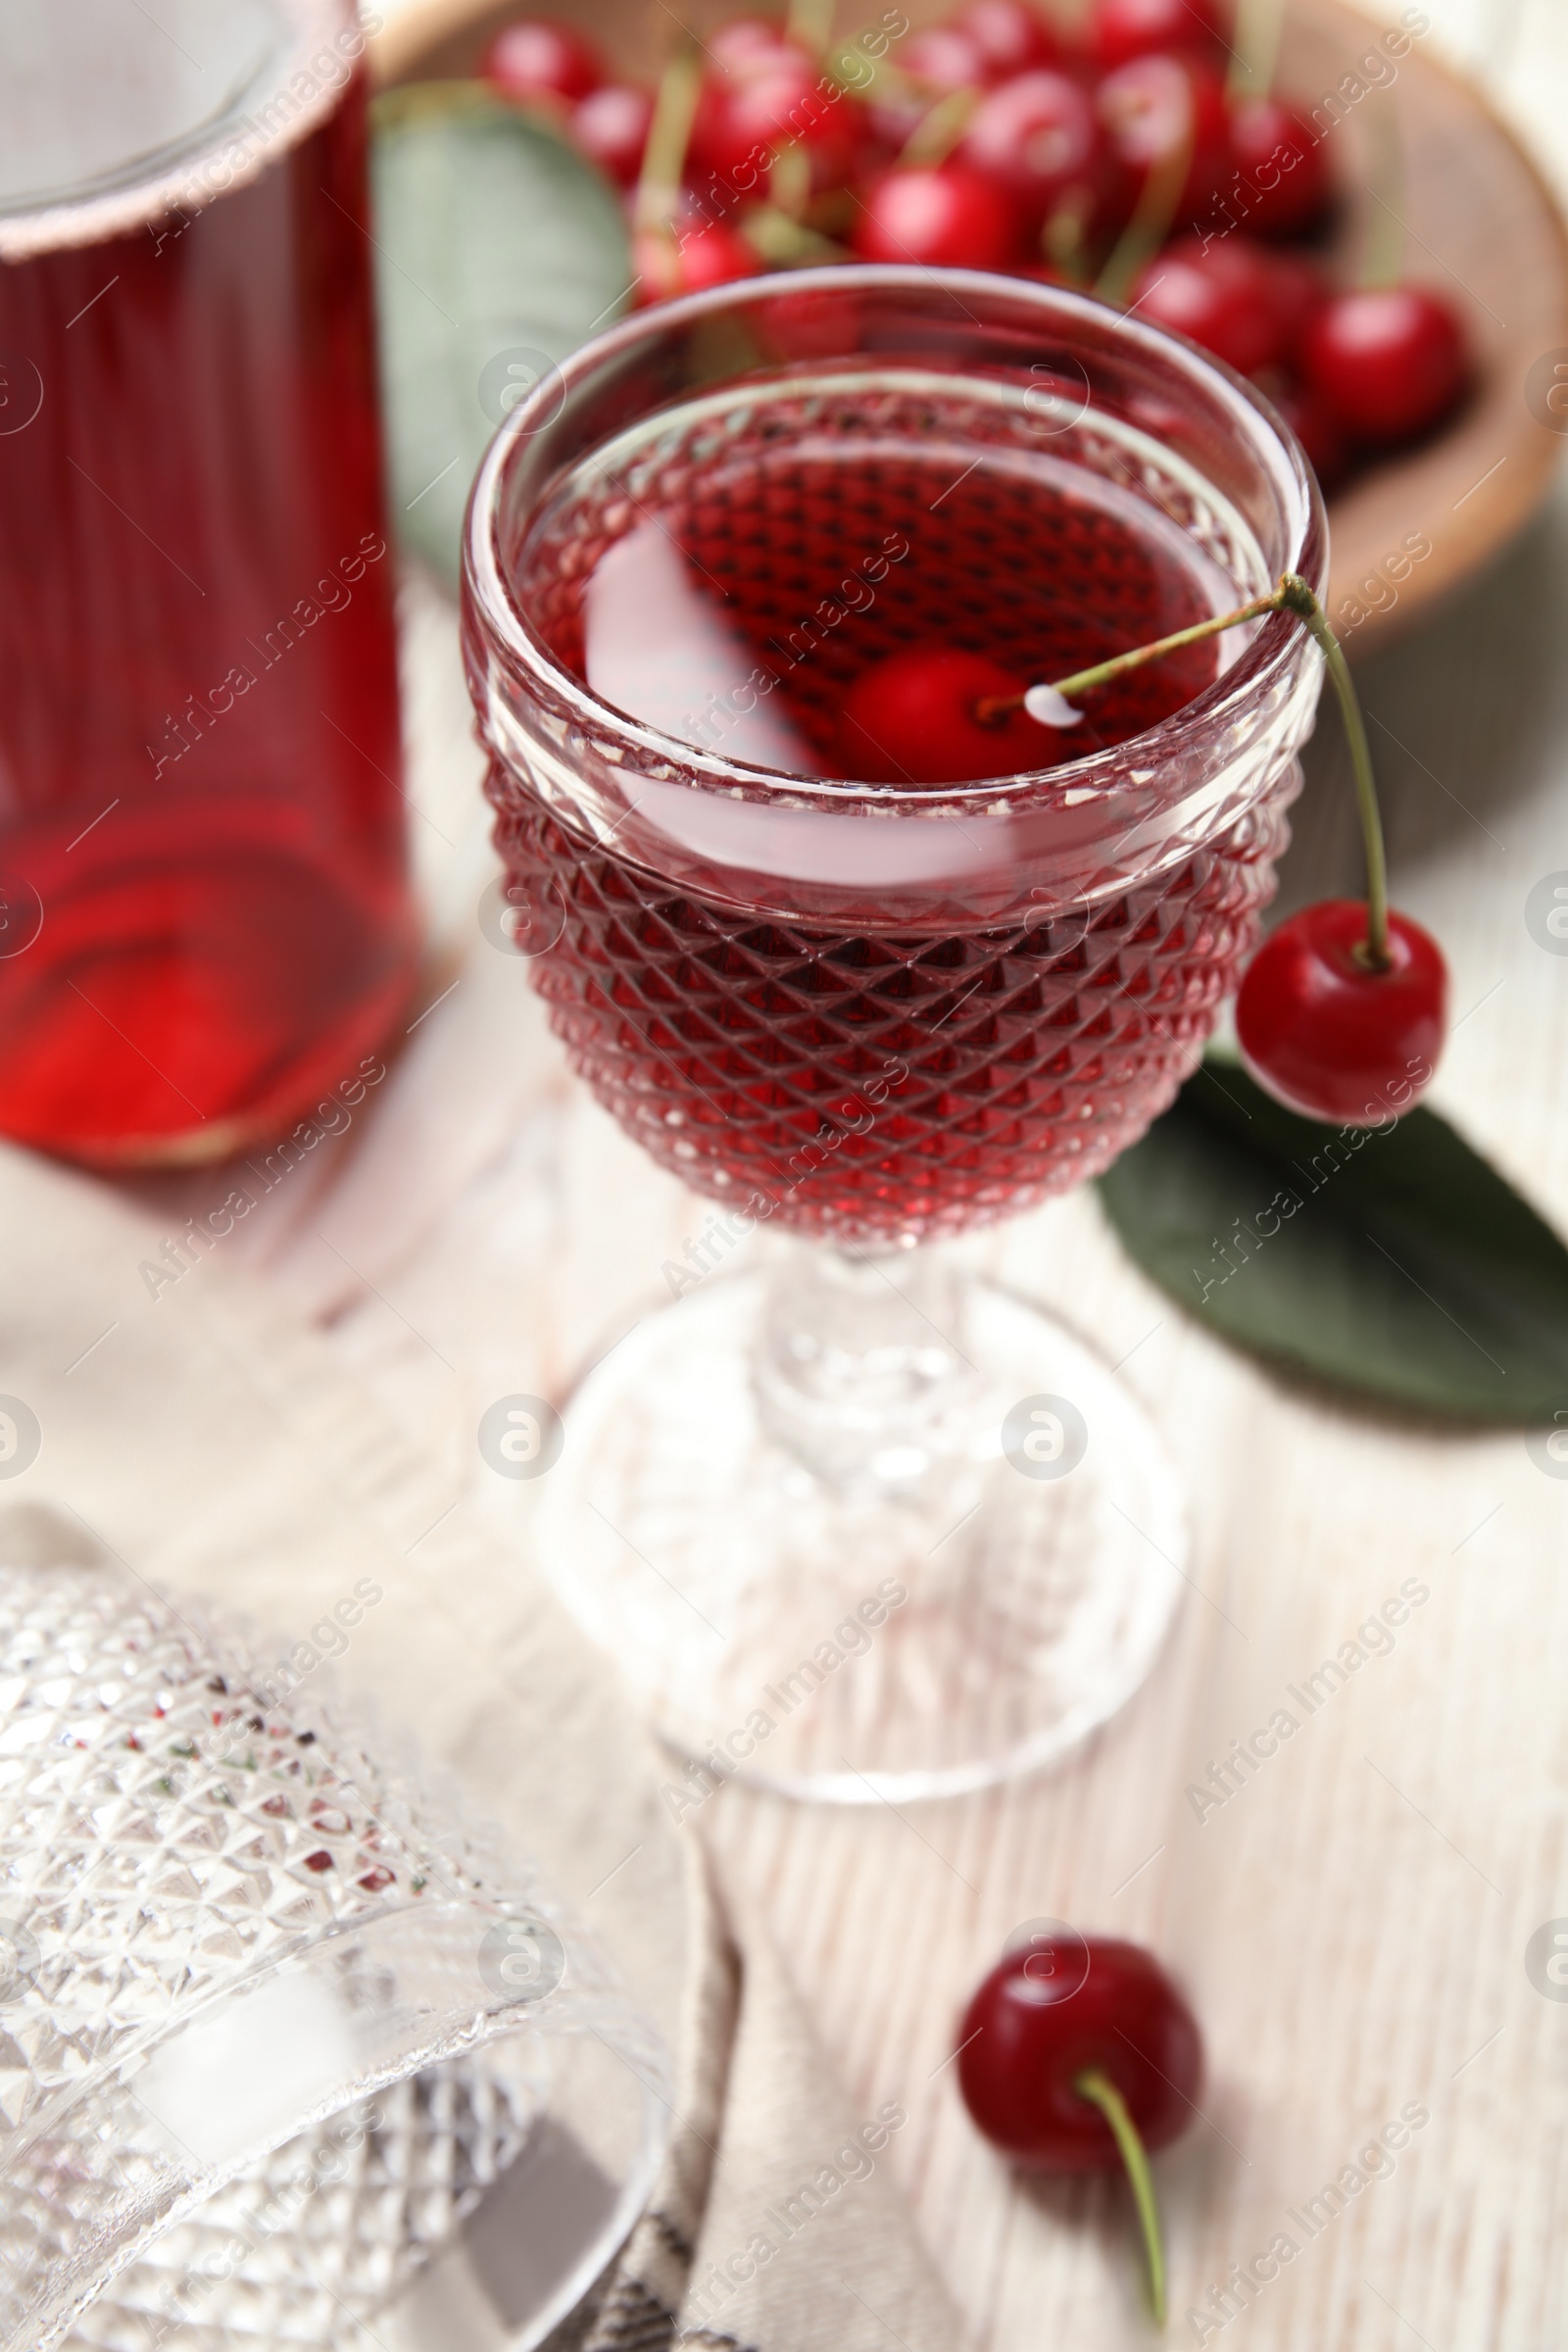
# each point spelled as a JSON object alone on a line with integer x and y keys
{"x": 1078, "y": 2054}
{"x": 912, "y": 719}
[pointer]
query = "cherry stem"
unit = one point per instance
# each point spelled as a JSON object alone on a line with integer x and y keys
{"x": 940, "y": 128}
{"x": 1297, "y": 598}
{"x": 1063, "y": 238}
{"x": 1102, "y": 2093}
{"x": 669, "y": 137}
{"x": 810, "y": 26}
{"x": 783, "y": 241}
{"x": 1293, "y": 595}
{"x": 1383, "y": 240}
{"x": 1254, "y": 49}
{"x": 1150, "y": 224}
{"x": 993, "y": 708}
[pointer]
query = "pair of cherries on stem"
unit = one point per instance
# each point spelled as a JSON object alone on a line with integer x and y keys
{"x": 1342, "y": 1009}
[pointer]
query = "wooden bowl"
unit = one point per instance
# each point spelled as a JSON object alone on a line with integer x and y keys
{"x": 1481, "y": 225}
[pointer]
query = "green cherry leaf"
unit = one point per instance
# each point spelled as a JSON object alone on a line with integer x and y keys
{"x": 1393, "y": 1266}
{"x": 498, "y": 251}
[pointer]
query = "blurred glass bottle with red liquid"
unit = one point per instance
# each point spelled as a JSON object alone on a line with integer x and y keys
{"x": 204, "y": 912}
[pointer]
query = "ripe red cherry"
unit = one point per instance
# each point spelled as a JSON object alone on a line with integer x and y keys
{"x": 1299, "y": 290}
{"x": 910, "y": 719}
{"x": 1224, "y": 298}
{"x": 1038, "y": 138}
{"x": 1065, "y": 2035}
{"x": 536, "y": 58}
{"x": 1010, "y": 35}
{"x": 610, "y": 127}
{"x": 1389, "y": 361}
{"x": 711, "y": 256}
{"x": 1329, "y": 1035}
{"x": 744, "y": 117}
{"x": 1051, "y": 2011}
{"x": 1328, "y": 452}
{"x": 1284, "y": 165}
{"x": 1124, "y": 28}
{"x": 1151, "y": 107}
{"x": 743, "y": 39}
{"x": 944, "y": 58}
{"x": 948, "y": 215}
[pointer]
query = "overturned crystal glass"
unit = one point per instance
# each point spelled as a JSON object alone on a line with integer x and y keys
{"x": 283, "y": 2051}
{"x": 859, "y": 1523}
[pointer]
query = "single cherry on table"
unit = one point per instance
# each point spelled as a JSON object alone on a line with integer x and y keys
{"x": 1079, "y": 2054}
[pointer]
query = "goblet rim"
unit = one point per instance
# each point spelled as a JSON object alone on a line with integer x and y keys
{"x": 1262, "y": 666}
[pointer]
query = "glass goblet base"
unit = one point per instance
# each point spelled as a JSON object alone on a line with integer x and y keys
{"x": 865, "y": 1529}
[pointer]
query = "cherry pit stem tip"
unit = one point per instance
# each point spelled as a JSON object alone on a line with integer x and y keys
{"x": 1292, "y": 595}
{"x": 1099, "y": 2090}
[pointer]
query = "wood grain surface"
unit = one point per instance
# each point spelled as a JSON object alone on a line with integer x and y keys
{"x": 1481, "y": 227}
{"x": 1352, "y": 1925}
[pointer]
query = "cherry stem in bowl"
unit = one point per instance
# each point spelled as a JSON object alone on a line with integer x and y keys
{"x": 1383, "y": 242}
{"x": 1102, "y": 2093}
{"x": 1293, "y": 595}
{"x": 1255, "y": 49}
{"x": 810, "y": 26}
{"x": 669, "y": 137}
{"x": 939, "y": 131}
{"x": 1152, "y": 216}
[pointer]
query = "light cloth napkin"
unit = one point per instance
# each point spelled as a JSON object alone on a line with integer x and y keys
{"x": 196, "y": 1432}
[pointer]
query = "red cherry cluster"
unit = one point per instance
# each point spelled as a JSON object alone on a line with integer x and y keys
{"x": 1114, "y": 160}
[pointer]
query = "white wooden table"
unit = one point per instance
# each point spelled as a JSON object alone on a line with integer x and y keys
{"x": 1351, "y": 1926}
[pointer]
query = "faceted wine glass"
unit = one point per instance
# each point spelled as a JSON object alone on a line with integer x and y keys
{"x": 286, "y": 2054}
{"x": 858, "y": 1523}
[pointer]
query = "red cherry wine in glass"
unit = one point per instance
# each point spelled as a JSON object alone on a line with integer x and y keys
{"x": 849, "y": 955}
{"x": 758, "y": 606}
